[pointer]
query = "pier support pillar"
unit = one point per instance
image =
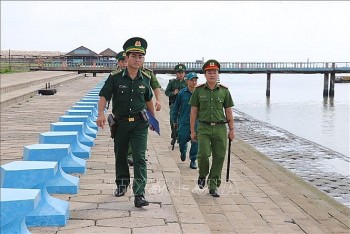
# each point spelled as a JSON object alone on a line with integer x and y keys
{"x": 268, "y": 84}
{"x": 94, "y": 74}
{"x": 325, "y": 84}
{"x": 331, "y": 85}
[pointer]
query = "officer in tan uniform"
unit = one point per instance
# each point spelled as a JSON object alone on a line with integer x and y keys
{"x": 211, "y": 104}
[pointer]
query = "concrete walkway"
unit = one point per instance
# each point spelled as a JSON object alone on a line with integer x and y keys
{"x": 261, "y": 196}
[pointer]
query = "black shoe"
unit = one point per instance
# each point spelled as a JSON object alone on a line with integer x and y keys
{"x": 193, "y": 164}
{"x": 172, "y": 142}
{"x": 201, "y": 182}
{"x": 183, "y": 157}
{"x": 130, "y": 162}
{"x": 214, "y": 193}
{"x": 140, "y": 201}
{"x": 120, "y": 191}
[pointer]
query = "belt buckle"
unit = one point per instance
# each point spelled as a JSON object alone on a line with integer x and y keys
{"x": 131, "y": 119}
{"x": 212, "y": 124}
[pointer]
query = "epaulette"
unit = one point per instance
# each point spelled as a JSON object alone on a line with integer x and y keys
{"x": 147, "y": 69}
{"x": 223, "y": 85}
{"x": 146, "y": 75}
{"x": 116, "y": 72}
{"x": 200, "y": 85}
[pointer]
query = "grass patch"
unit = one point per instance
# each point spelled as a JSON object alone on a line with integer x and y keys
{"x": 14, "y": 69}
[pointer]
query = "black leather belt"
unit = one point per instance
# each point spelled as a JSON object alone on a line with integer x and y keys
{"x": 213, "y": 123}
{"x": 129, "y": 118}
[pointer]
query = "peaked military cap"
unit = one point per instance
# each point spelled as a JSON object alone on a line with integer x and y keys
{"x": 211, "y": 64}
{"x": 180, "y": 68}
{"x": 135, "y": 44}
{"x": 121, "y": 55}
{"x": 191, "y": 76}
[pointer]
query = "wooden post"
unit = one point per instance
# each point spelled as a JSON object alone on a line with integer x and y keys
{"x": 268, "y": 84}
{"x": 331, "y": 85}
{"x": 325, "y": 85}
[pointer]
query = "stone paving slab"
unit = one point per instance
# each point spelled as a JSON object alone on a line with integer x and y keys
{"x": 261, "y": 196}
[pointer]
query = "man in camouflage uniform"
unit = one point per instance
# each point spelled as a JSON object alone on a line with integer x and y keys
{"x": 212, "y": 107}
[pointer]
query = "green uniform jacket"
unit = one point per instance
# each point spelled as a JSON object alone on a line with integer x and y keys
{"x": 154, "y": 82}
{"x": 172, "y": 85}
{"x": 211, "y": 103}
{"x": 128, "y": 96}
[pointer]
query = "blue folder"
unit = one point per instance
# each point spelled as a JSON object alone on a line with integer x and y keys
{"x": 153, "y": 122}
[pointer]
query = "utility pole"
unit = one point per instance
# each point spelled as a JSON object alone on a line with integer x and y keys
{"x": 9, "y": 59}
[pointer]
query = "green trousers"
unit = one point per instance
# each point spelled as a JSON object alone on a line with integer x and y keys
{"x": 212, "y": 141}
{"x": 173, "y": 130}
{"x": 135, "y": 134}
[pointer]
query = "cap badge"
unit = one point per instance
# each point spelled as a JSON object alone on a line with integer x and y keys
{"x": 180, "y": 67}
{"x": 124, "y": 54}
{"x": 138, "y": 43}
{"x": 211, "y": 64}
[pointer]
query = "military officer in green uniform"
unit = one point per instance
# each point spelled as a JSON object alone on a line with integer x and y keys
{"x": 155, "y": 86}
{"x": 211, "y": 104}
{"x": 121, "y": 62}
{"x": 131, "y": 95}
{"x": 156, "y": 89}
{"x": 173, "y": 88}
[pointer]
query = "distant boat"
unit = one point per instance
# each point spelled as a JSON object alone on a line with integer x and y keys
{"x": 342, "y": 79}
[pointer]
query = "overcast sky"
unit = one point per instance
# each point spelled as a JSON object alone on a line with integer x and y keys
{"x": 229, "y": 31}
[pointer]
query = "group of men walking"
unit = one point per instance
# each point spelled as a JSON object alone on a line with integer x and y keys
{"x": 198, "y": 113}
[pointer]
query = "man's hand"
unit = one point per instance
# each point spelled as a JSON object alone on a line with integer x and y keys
{"x": 175, "y": 125}
{"x": 193, "y": 136}
{"x": 176, "y": 91}
{"x": 101, "y": 121}
{"x": 157, "y": 106}
{"x": 231, "y": 135}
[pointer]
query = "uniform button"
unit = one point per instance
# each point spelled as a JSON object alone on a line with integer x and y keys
{"x": 132, "y": 90}
{"x": 131, "y": 99}
{"x": 212, "y": 99}
{"x": 130, "y": 108}
{"x": 211, "y": 107}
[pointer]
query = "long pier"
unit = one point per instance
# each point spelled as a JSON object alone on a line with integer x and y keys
{"x": 329, "y": 69}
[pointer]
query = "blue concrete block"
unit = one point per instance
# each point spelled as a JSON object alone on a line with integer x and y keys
{"x": 87, "y": 103}
{"x": 35, "y": 175}
{"x": 95, "y": 91}
{"x": 78, "y": 149}
{"x": 90, "y": 98}
{"x": 92, "y": 108}
{"x": 81, "y": 118}
{"x": 20, "y": 174}
{"x": 92, "y": 94}
{"x": 82, "y": 112}
{"x": 73, "y": 126}
{"x": 61, "y": 153}
{"x": 63, "y": 183}
{"x": 15, "y": 205}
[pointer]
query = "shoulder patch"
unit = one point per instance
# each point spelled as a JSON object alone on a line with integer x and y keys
{"x": 200, "y": 85}
{"x": 147, "y": 69}
{"x": 115, "y": 72}
{"x": 223, "y": 86}
{"x": 145, "y": 74}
